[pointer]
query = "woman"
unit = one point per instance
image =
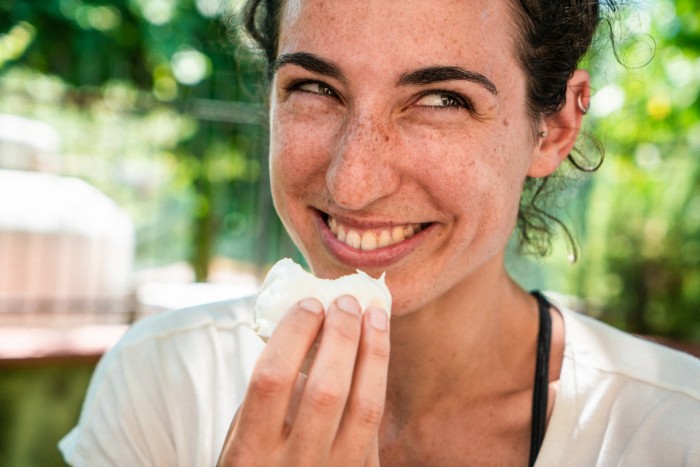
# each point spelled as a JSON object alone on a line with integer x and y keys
{"x": 403, "y": 136}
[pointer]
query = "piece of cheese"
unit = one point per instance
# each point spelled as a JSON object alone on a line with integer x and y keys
{"x": 287, "y": 283}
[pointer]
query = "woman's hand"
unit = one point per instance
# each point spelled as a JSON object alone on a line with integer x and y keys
{"x": 332, "y": 416}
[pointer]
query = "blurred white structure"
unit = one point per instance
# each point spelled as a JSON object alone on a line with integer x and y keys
{"x": 28, "y": 145}
{"x": 64, "y": 246}
{"x": 158, "y": 297}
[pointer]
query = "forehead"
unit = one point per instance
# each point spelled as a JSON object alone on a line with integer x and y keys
{"x": 473, "y": 33}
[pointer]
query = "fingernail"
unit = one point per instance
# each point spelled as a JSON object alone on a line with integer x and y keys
{"x": 378, "y": 319}
{"x": 309, "y": 304}
{"x": 348, "y": 305}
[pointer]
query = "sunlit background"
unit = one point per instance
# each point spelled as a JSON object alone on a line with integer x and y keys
{"x": 133, "y": 180}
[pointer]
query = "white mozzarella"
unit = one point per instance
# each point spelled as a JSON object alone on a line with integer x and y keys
{"x": 287, "y": 283}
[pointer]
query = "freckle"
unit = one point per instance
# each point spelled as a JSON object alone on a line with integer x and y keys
{"x": 386, "y": 138}
{"x": 506, "y": 122}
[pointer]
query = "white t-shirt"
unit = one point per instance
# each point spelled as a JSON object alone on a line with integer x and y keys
{"x": 166, "y": 393}
{"x": 622, "y": 401}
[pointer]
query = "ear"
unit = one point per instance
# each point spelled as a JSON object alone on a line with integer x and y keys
{"x": 558, "y": 132}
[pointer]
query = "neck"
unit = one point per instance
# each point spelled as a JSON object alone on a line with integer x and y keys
{"x": 476, "y": 340}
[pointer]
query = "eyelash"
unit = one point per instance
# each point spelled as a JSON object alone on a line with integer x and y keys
{"x": 458, "y": 100}
{"x": 296, "y": 86}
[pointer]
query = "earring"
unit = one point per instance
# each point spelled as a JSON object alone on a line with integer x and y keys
{"x": 581, "y": 107}
{"x": 543, "y": 134}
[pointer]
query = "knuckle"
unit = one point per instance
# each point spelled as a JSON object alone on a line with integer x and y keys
{"x": 368, "y": 412}
{"x": 325, "y": 397}
{"x": 380, "y": 350}
{"x": 237, "y": 452}
{"x": 268, "y": 381}
{"x": 300, "y": 321}
{"x": 346, "y": 331}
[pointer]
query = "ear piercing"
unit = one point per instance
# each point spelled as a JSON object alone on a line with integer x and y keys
{"x": 579, "y": 103}
{"x": 581, "y": 107}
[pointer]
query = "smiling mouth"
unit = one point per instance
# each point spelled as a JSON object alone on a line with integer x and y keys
{"x": 371, "y": 239}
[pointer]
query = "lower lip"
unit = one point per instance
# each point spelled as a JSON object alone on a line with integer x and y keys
{"x": 374, "y": 259}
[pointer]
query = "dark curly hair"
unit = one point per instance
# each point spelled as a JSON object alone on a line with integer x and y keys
{"x": 551, "y": 38}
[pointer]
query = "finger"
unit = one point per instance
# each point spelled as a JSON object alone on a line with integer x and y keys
{"x": 328, "y": 382}
{"x": 269, "y": 396}
{"x": 365, "y": 406}
{"x": 225, "y": 456}
{"x": 373, "y": 457}
{"x": 310, "y": 355}
{"x": 294, "y": 402}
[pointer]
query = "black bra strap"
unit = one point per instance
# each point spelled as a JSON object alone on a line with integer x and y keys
{"x": 541, "y": 389}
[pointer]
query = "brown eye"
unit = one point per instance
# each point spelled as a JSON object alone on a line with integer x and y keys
{"x": 316, "y": 88}
{"x": 441, "y": 99}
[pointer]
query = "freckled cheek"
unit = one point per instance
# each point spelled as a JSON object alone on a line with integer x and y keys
{"x": 298, "y": 150}
{"x": 288, "y": 178}
{"x": 499, "y": 198}
{"x": 476, "y": 184}
{"x": 471, "y": 192}
{"x": 484, "y": 212}
{"x": 299, "y": 158}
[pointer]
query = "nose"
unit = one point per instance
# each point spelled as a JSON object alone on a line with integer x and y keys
{"x": 363, "y": 167}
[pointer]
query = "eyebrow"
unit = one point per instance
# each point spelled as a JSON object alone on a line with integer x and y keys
{"x": 311, "y": 63}
{"x": 437, "y": 74}
{"x": 420, "y": 77}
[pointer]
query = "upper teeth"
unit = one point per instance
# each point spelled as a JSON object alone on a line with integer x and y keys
{"x": 372, "y": 239}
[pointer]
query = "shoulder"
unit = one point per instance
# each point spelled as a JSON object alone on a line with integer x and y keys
{"x": 622, "y": 400}
{"x": 148, "y": 400}
{"x": 171, "y": 342}
{"x": 607, "y": 350}
{"x": 219, "y": 315}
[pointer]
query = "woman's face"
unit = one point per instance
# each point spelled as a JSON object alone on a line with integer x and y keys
{"x": 399, "y": 139}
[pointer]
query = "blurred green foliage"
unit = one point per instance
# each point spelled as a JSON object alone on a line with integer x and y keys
{"x": 38, "y": 406}
{"x": 638, "y": 217}
{"x": 159, "y": 106}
